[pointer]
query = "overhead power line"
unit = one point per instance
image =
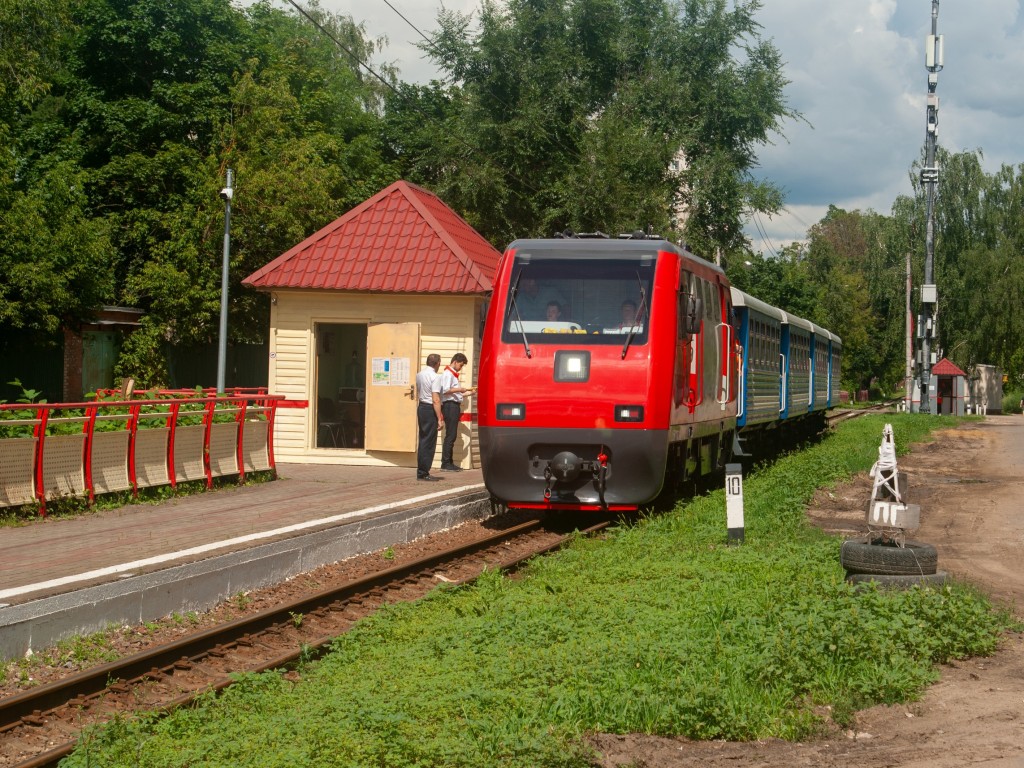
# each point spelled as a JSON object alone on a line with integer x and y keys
{"x": 764, "y": 235}
{"x": 345, "y": 48}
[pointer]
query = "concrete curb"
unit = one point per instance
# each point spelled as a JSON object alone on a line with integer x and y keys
{"x": 203, "y": 584}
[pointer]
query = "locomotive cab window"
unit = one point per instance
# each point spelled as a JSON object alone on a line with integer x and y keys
{"x": 579, "y": 300}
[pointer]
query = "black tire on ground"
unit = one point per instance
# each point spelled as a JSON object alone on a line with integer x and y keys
{"x": 930, "y": 580}
{"x": 886, "y": 559}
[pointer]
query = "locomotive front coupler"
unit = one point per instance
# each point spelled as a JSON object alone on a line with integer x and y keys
{"x": 566, "y": 466}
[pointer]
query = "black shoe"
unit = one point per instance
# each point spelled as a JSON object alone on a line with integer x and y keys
{"x": 450, "y": 468}
{"x": 429, "y": 478}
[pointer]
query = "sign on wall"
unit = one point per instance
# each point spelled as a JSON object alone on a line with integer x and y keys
{"x": 390, "y": 372}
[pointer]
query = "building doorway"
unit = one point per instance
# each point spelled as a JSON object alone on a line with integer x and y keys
{"x": 340, "y": 407}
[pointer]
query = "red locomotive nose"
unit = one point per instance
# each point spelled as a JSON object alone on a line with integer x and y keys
{"x": 565, "y": 466}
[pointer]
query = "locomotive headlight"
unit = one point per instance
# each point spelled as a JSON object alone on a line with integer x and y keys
{"x": 572, "y": 365}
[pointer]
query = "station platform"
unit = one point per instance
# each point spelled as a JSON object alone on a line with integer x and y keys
{"x": 61, "y": 577}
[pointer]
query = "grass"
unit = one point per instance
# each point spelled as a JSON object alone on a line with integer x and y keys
{"x": 659, "y": 628}
{"x": 75, "y": 652}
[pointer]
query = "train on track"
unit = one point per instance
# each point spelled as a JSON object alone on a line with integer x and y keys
{"x": 610, "y": 366}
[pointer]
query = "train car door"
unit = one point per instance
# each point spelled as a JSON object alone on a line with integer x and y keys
{"x": 392, "y": 353}
{"x": 686, "y": 344}
{"x": 784, "y": 370}
{"x": 712, "y": 340}
{"x": 727, "y": 341}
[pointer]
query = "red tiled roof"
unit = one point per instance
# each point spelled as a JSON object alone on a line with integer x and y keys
{"x": 946, "y": 368}
{"x": 401, "y": 240}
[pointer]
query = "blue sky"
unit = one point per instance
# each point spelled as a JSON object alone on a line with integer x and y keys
{"x": 857, "y": 76}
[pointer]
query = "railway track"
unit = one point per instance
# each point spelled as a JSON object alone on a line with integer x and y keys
{"x": 41, "y": 726}
{"x": 837, "y": 416}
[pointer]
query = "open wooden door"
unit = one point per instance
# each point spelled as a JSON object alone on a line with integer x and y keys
{"x": 392, "y": 353}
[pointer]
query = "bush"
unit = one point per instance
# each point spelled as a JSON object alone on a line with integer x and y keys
{"x": 1011, "y": 401}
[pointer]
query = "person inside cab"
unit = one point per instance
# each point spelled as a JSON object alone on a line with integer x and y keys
{"x": 630, "y": 317}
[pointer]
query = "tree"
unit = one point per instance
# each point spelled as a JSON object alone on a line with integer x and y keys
{"x": 31, "y": 37}
{"x": 54, "y": 258}
{"x": 837, "y": 257}
{"x": 569, "y": 114}
{"x": 160, "y": 99}
{"x": 54, "y": 254}
{"x": 783, "y": 282}
{"x": 978, "y": 271}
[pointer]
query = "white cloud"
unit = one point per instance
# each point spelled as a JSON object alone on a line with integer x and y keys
{"x": 858, "y": 75}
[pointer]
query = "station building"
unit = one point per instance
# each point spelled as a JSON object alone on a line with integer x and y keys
{"x": 355, "y": 310}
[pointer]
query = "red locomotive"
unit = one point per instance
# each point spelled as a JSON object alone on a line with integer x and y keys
{"x": 605, "y": 363}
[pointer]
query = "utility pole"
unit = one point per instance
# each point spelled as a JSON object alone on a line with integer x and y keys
{"x": 222, "y": 347}
{"x": 930, "y": 181}
{"x": 908, "y": 380}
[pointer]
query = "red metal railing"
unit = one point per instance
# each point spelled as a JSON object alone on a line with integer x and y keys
{"x": 160, "y": 438}
{"x": 195, "y": 392}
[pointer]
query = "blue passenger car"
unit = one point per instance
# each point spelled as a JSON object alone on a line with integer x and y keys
{"x": 835, "y": 354}
{"x": 759, "y": 326}
{"x": 819, "y": 368}
{"x": 796, "y": 365}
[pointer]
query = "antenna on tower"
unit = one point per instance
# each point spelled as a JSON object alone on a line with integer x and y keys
{"x": 933, "y": 56}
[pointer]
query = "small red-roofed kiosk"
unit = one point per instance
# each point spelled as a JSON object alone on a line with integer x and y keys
{"x": 950, "y": 387}
{"x": 355, "y": 310}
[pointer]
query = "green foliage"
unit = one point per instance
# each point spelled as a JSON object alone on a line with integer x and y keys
{"x": 76, "y": 652}
{"x": 1012, "y": 400}
{"x": 118, "y": 122}
{"x": 55, "y": 258}
{"x": 979, "y": 236}
{"x": 658, "y": 628}
{"x": 573, "y": 114}
{"x": 783, "y": 282}
{"x": 19, "y": 414}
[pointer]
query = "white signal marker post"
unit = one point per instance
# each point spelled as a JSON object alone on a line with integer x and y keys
{"x": 734, "y": 501}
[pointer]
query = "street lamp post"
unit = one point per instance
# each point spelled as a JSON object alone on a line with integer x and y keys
{"x": 222, "y": 347}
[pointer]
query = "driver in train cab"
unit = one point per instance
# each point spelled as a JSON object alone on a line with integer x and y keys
{"x": 554, "y": 311}
{"x": 629, "y": 315}
{"x": 532, "y": 300}
{"x": 528, "y": 299}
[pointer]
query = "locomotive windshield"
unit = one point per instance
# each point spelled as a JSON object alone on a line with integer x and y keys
{"x": 579, "y": 300}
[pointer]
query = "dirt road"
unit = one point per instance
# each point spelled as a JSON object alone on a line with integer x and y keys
{"x": 970, "y": 485}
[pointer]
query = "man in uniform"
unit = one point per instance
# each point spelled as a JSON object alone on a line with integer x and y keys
{"x": 428, "y": 415}
{"x": 452, "y": 393}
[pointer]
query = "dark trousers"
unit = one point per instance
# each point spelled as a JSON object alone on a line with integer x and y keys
{"x": 451, "y": 411}
{"x": 427, "y": 420}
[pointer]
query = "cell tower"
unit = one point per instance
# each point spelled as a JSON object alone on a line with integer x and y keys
{"x": 926, "y": 327}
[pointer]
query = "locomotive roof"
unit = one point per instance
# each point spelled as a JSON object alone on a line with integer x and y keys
{"x": 591, "y": 247}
